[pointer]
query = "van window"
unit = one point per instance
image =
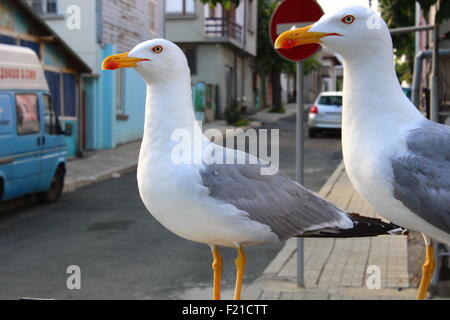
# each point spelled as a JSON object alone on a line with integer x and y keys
{"x": 27, "y": 114}
{"x": 5, "y": 114}
{"x": 51, "y": 123}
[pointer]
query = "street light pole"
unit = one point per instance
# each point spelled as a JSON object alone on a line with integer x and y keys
{"x": 300, "y": 164}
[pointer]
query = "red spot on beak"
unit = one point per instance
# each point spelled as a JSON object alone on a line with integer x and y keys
{"x": 111, "y": 65}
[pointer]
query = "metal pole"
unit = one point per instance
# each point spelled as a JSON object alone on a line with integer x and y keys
{"x": 300, "y": 164}
{"x": 411, "y": 29}
{"x": 434, "y": 110}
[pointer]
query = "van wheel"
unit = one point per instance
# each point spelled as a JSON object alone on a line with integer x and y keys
{"x": 56, "y": 187}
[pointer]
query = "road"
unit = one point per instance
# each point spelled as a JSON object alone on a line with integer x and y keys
{"x": 122, "y": 252}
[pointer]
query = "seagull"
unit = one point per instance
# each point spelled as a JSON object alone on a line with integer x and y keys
{"x": 398, "y": 160}
{"x": 219, "y": 203}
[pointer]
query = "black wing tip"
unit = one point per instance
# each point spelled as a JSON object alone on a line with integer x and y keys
{"x": 363, "y": 227}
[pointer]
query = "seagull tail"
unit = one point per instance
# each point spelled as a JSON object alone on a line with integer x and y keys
{"x": 363, "y": 227}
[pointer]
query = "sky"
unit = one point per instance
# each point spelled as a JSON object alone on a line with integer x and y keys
{"x": 328, "y": 5}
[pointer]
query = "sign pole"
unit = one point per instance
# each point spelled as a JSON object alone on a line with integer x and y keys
{"x": 300, "y": 164}
{"x": 294, "y": 14}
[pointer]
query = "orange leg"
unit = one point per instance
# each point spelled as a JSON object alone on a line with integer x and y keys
{"x": 240, "y": 266}
{"x": 427, "y": 272}
{"x": 217, "y": 267}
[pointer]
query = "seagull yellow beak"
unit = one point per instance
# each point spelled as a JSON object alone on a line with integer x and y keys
{"x": 298, "y": 37}
{"x": 121, "y": 61}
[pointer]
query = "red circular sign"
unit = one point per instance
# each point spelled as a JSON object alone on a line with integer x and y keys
{"x": 298, "y": 13}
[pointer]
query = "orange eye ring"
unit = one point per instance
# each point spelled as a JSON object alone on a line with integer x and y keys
{"x": 348, "y": 19}
{"x": 157, "y": 49}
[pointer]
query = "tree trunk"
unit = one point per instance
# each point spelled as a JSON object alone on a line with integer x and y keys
{"x": 263, "y": 91}
{"x": 276, "y": 90}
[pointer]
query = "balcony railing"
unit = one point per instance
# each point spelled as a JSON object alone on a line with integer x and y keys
{"x": 223, "y": 28}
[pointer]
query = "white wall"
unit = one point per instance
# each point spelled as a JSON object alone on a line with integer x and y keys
{"x": 83, "y": 40}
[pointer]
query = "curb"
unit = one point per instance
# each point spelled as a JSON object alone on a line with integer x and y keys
{"x": 85, "y": 181}
{"x": 288, "y": 250}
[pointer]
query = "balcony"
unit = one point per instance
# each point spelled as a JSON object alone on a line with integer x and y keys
{"x": 223, "y": 29}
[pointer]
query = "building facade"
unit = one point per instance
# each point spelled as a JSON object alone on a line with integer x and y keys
{"x": 95, "y": 29}
{"x": 64, "y": 69}
{"x": 425, "y": 44}
{"x": 221, "y": 47}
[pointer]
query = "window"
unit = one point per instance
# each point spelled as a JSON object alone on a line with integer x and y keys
{"x": 51, "y": 7}
{"x": 37, "y": 6}
{"x": 44, "y": 6}
{"x": 152, "y": 16}
{"x": 180, "y": 7}
{"x": 27, "y": 114}
{"x": 5, "y": 114}
{"x": 51, "y": 122}
{"x": 191, "y": 56}
{"x": 331, "y": 100}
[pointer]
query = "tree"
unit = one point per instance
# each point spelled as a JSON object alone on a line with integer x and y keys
{"x": 401, "y": 13}
{"x": 443, "y": 12}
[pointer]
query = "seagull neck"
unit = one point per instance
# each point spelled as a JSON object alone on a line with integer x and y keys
{"x": 168, "y": 108}
{"x": 372, "y": 90}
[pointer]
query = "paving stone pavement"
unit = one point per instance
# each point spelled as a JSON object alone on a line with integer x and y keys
{"x": 339, "y": 268}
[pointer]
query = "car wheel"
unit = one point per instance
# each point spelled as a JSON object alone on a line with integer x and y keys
{"x": 56, "y": 187}
{"x": 312, "y": 133}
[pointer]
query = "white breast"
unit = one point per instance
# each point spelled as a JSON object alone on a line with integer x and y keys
{"x": 175, "y": 196}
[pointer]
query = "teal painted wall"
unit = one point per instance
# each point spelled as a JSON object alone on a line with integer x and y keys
{"x": 135, "y": 92}
{"x": 72, "y": 141}
{"x": 103, "y": 129}
{"x": 91, "y": 89}
{"x": 106, "y": 109}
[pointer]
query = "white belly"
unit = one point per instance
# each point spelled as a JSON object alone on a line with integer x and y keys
{"x": 370, "y": 171}
{"x": 176, "y": 198}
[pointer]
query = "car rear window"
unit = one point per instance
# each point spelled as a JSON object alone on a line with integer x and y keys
{"x": 5, "y": 114}
{"x": 331, "y": 100}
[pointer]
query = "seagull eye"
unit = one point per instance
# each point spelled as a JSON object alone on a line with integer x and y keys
{"x": 157, "y": 49}
{"x": 348, "y": 19}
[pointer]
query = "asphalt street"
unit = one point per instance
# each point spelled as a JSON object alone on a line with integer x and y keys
{"x": 122, "y": 251}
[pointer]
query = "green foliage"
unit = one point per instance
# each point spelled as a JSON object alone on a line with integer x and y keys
{"x": 233, "y": 113}
{"x": 278, "y": 110}
{"x": 225, "y": 3}
{"x": 401, "y": 13}
{"x": 241, "y": 123}
{"x": 443, "y": 12}
{"x": 267, "y": 58}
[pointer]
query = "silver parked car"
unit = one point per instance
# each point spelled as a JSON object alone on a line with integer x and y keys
{"x": 326, "y": 113}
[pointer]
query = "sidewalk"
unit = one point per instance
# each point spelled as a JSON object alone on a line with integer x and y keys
{"x": 336, "y": 268}
{"x": 106, "y": 164}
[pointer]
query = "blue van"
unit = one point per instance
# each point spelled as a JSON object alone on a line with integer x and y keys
{"x": 32, "y": 147}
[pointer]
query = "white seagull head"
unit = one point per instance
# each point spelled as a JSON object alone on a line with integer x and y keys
{"x": 156, "y": 60}
{"x": 350, "y": 31}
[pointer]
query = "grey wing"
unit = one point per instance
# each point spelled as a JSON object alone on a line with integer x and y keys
{"x": 422, "y": 179}
{"x": 275, "y": 200}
